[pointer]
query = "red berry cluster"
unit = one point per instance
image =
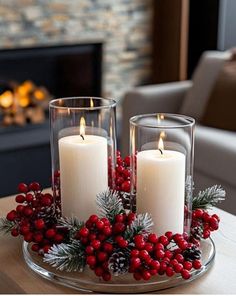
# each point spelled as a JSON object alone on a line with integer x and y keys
{"x": 33, "y": 218}
{"x": 121, "y": 175}
{"x": 203, "y": 224}
{"x": 96, "y": 236}
{"x": 153, "y": 256}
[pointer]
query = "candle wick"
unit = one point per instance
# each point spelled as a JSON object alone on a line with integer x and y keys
{"x": 82, "y": 137}
{"x": 160, "y": 151}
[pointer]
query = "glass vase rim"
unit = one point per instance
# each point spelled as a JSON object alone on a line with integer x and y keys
{"x": 191, "y": 120}
{"x": 112, "y": 103}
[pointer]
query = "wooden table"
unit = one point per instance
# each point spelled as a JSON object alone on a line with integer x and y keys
{"x": 17, "y": 278}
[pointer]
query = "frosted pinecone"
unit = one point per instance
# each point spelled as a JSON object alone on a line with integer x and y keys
{"x": 119, "y": 263}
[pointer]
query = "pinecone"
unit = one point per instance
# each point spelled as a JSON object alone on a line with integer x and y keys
{"x": 196, "y": 232}
{"x": 192, "y": 253}
{"x": 119, "y": 262}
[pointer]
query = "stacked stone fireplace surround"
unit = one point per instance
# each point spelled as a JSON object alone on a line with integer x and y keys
{"x": 124, "y": 29}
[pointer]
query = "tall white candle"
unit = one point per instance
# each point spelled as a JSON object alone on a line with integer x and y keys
{"x": 84, "y": 173}
{"x": 161, "y": 187}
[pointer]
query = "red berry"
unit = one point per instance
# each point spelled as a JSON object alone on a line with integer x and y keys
{"x": 206, "y": 217}
{"x": 106, "y": 276}
{"x": 20, "y": 198}
{"x": 127, "y": 160}
{"x": 160, "y": 254}
{"x": 102, "y": 256}
{"x": 107, "y": 230}
{"x": 187, "y": 265}
{"x": 20, "y": 208}
{"x": 198, "y": 213}
{"x": 29, "y": 197}
{"x": 50, "y": 233}
{"x": 39, "y": 224}
{"x": 119, "y": 227}
{"x": 119, "y": 218}
{"x": 185, "y": 274}
{"x": 139, "y": 242}
{"x": 159, "y": 246}
{"x": 98, "y": 271}
{"x": 89, "y": 250}
{"x": 84, "y": 232}
{"x": 93, "y": 218}
{"x": 155, "y": 264}
{"x": 28, "y": 237}
{"x": 106, "y": 221}
{"x": 146, "y": 275}
{"x": 28, "y": 211}
{"x": 123, "y": 243}
{"x": 179, "y": 258}
{"x": 134, "y": 253}
{"x": 135, "y": 262}
{"x": 126, "y": 186}
{"x": 22, "y": 187}
{"x": 169, "y": 235}
{"x": 126, "y": 173}
{"x": 119, "y": 180}
{"x": 91, "y": 260}
{"x": 197, "y": 264}
{"x": 24, "y": 229}
{"x": 14, "y": 232}
{"x": 163, "y": 266}
{"x": 99, "y": 225}
{"x": 170, "y": 271}
{"x": 148, "y": 247}
{"x": 163, "y": 240}
{"x": 11, "y": 216}
{"x": 173, "y": 262}
{"x": 214, "y": 224}
{"x": 46, "y": 248}
{"x": 206, "y": 234}
{"x": 38, "y": 237}
{"x": 107, "y": 247}
{"x": 47, "y": 200}
{"x": 35, "y": 247}
{"x": 58, "y": 238}
{"x": 143, "y": 254}
{"x": 131, "y": 217}
{"x": 84, "y": 240}
{"x": 182, "y": 244}
{"x": 137, "y": 276}
{"x": 34, "y": 186}
{"x": 217, "y": 217}
{"x": 178, "y": 267}
{"x": 96, "y": 244}
{"x": 153, "y": 238}
{"x": 153, "y": 271}
{"x": 168, "y": 254}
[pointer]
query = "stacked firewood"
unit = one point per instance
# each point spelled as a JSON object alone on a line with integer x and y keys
{"x": 23, "y": 103}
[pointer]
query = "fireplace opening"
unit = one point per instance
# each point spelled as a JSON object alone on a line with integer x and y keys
{"x": 29, "y": 78}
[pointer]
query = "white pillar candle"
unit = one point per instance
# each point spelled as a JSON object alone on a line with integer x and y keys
{"x": 83, "y": 173}
{"x": 161, "y": 188}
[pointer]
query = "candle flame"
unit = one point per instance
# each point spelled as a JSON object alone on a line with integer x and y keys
{"x": 161, "y": 143}
{"x": 91, "y": 103}
{"x": 82, "y": 126}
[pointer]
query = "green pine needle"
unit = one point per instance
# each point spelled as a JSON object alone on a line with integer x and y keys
{"x": 209, "y": 197}
{"x": 142, "y": 224}
{"x": 109, "y": 204}
{"x": 6, "y": 226}
{"x": 66, "y": 257}
{"x": 73, "y": 224}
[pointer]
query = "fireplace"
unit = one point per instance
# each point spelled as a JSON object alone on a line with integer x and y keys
{"x": 71, "y": 70}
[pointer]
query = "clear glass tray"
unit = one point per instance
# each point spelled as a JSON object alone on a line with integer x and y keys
{"x": 88, "y": 282}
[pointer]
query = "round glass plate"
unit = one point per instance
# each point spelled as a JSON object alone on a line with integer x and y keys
{"x": 88, "y": 282}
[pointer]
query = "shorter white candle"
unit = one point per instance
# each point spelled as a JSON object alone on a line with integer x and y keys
{"x": 161, "y": 188}
{"x": 84, "y": 172}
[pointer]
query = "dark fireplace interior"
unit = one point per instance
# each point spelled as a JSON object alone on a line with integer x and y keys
{"x": 72, "y": 70}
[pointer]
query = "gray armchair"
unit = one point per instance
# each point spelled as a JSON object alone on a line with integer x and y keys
{"x": 215, "y": 149}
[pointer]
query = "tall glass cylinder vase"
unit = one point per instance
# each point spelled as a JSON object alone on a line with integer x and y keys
{"x": 162, "y": 148}
{"x": 83, "y": 151}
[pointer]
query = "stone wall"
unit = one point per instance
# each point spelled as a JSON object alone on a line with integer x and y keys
{"x": 123, "y": 25}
